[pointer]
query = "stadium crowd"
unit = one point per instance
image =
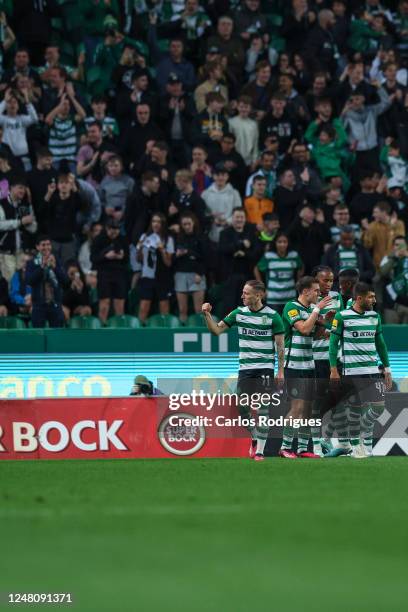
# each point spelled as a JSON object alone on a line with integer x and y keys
{"x": 154, "y": 150}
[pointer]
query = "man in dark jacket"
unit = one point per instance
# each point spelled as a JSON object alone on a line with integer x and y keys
{"x": 238, "y": 247}
{"x": 309, "y": 234}
{"x": 38, "y": 180}
{"x": 138, "y": 134}
{"x": 110, "y": 256}
{"x": 321, "y": 46}
{"x": 141, "y": 205}
{"x": 287, "y": 198}
{"x": 347, "y": 254}
{"x": 47, "y": 279}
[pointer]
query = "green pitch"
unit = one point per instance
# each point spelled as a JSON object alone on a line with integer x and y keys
{"x": 208, "y": 535}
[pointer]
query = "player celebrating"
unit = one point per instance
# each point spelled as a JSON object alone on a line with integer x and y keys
{"x": 260, "y": 328}
{"x": 359, "y": 332}
{"x": 299, "y": 319}
{"x": 325, "y": 277}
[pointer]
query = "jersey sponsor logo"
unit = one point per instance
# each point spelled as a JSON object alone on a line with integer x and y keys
{"x": 254, "y": 332}
{"x": 293, "y": 313}
{"x": 363, "y": 334}
{"x": 335, "y": 324}
{"x": 178, "y": 438}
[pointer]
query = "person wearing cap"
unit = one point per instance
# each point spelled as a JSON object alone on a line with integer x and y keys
{"x": 143, "y": 387}
{"x": 17, "y": 223}
{"x": 176, "y": 112}
{"x": 109, "y": 257}
{"x": 221, "y": 199}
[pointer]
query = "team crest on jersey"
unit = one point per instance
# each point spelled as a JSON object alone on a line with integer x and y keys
{"x": 293, "y": 313}
{"x": 264, "y": 320}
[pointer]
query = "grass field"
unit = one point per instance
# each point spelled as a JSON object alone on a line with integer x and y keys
{"x": 198, "y": 535}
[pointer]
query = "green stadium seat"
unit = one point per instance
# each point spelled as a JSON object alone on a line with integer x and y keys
{"x": 159, "y": 320}
{"x": 84, "y": 323}
{"x": 123, "y": 321}
{"x": 197, "y": 320}
{"x": 12, "y": 323}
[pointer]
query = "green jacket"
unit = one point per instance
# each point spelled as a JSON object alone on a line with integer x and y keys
{"x": 313, "y": 128}
{"x": 362, "y": 37}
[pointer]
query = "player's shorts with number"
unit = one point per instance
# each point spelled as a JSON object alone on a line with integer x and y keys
{"x": 363, "y": 389}
{"x": 300, "y": 384}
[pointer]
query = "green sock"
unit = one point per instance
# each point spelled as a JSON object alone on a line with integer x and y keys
{"x": 287, "y": 440}
{"x": 303, "y": 439}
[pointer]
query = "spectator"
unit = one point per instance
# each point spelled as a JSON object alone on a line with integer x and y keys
{"x": 238, "y": 251}
{"x": 189, "y": 265}
{"x": 84, "y": 256}
{"x": 309, "y": 235}
{"x": 141, "y": 205}
{"x": 185, "y": 200}
{"x": 213, "y": 83}
{"x": 15, "y": 125}
{"x": 202, "y": 173}
{"x": 229, "y": 45}
{"x": 378, "y": 236}
{"x": 321, "y": 46}
{"x": 38, "y": 180}
{"x": 4, "y": 296}
{"x": 155, "y": 252}
{"x": 260, "y": 89}
{"x": 209, "y": 126}
{"x": 20, "y": 291}
{"x": 363, "y": 202}
{"x": 266, "y": 169}
{"x": 258, "y": 204}
{"x": 221, "y": 199}
{"x": 6, "y": 173}
{"x": 109, "y": 124}
{"x": 359, "y": 122}
{"x": 93, "y": 155}
{"x": 306, "y": 175}
{"x": 62, "y": 140}
{"x": 109, "y": 257}
{"x": 115, "y": 188}
{"x": 17, "y": 225}
{"x": 282, "y": 267}
{"x": 246, "y": 132}
{"x": 139, "y": 135}
{"x": 173, "y": 61}
{"x": 270, "y": 228}
{"x": 288, "y": 199}
{"x": 232, "y": 160}
{"x": 393, "y": 271}
{"x": 280, "y": 122}
{"x": 341, "y": 217}
{"x": 62, "y": 202}
{"x": 348, "y": 254}
{"x": 47, "y": 279}
{"x": 76, "y": 300}
{"x": 136, "y": 93}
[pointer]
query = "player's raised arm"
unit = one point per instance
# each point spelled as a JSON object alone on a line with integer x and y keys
{"x": 215, "y": 328}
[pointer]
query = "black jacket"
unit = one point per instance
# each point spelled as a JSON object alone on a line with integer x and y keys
{"x": 60, "y": 216}
{"x": 102, "y": 245}
{"x": 365, "y": 263}
{"x": 285, "y": 128}
{"x": 321, "y": 48}
{"x": 230, "y": 243}
{"x": 195, "y": 258}
{"x": 287, "y": 202}
{"x": 134, "y": 139}
{"x": 309, "y": 242}
{"x": 138, "y": 212}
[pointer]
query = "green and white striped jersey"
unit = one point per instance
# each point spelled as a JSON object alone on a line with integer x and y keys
{"x": 281, "y": 275}
{"x": 347, "y": 258}
{"x": 256, "y": 331}
{"x": 357, "y": 340}
{"x": 321, "y": 345}
{"x": 298, "y": 348}
{"x": 62, "y": 139}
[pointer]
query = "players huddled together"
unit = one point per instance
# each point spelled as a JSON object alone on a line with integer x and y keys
{"x": 332, "y": 362}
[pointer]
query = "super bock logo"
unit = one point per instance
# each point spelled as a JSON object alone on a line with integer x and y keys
{"x": 179, "y": 439}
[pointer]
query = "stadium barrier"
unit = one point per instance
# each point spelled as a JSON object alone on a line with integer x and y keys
{"x": 109, "y": 428}
{"x": 184, "y": 340}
